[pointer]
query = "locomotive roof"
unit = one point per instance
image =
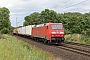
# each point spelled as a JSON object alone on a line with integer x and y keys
{"x": 45, "y": 24}
{"x": 54, "y": 23}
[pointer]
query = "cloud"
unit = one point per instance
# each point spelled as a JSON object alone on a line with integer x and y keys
{"x": 22, "y": 8}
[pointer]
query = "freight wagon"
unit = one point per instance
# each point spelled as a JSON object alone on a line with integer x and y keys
{"x": 24, "y": 31}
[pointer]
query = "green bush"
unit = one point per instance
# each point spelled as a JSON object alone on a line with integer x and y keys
{"x": 86, "y": 39}
{"x": 1, "y": 36}
{"x": 67, "y": 32}
{"x": 5, "y": 31}
{"x": 78, "y": 38}
{"x": 88, "y": 31}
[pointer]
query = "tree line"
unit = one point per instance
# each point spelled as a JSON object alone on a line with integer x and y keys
{"x": 5, "y": 25}
{"x": 74, "y": 22}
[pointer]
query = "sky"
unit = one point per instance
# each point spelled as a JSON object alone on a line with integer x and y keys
{"x": 21, "y": 8}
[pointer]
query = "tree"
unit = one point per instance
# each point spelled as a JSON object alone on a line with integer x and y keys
{"x": 25, "y": 23}
{"x": 74, "y": 22}
{"x": 4, "y": 20}
{"x": 48, "y": 15}
{"x": 31, "y": 19}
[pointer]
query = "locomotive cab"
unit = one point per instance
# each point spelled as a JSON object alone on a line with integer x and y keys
{"x": 49, "y": 33}
{"x": 56, "y": 33}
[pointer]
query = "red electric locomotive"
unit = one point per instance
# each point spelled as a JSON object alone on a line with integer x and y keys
{"x": 49, "y": 33}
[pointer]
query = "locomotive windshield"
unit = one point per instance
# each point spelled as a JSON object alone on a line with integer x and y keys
{"x": 54, "y": 26}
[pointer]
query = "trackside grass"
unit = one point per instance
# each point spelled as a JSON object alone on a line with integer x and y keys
{"x": 78, "y": 38}
{"x": 13, "y": 49}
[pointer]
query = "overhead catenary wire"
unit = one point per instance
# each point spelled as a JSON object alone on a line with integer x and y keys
{"x": 18, "y": 21}
{"x": 66, "y": 1}
{"x": 77, "y": 3}
{"x": 63, "y": 2}
{"x": 73, "y": 5}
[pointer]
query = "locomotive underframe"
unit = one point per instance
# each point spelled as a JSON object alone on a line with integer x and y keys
{"x": 57, "y": 40}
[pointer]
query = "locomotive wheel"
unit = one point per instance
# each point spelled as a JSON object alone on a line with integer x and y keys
{"x": 37, "y": 39}
{"x": 48, "y": 42}
{"x": 45, "y": 41}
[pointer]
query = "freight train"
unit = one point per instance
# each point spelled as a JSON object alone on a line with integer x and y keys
{"x": 50, "y": 33}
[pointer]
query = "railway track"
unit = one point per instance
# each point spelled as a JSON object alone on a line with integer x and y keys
{"x": 75, "y": 47}
{"x": 59, "y": 51}
{"x": 83, "y": 45}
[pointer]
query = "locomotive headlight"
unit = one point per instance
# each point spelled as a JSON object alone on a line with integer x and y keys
{"x": 61, "y": 32}
{"x": 53, "y": 32}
